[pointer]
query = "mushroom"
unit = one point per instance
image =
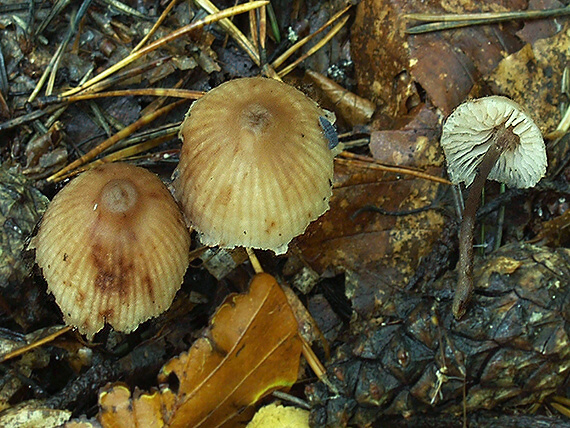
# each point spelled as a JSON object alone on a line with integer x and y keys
{"x": 491, "y": 138}
{"x": 113, "y": 247}
{"x": 255, "y": 168}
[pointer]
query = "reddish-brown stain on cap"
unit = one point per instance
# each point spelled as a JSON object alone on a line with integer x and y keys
{"x": 113, "y": 247}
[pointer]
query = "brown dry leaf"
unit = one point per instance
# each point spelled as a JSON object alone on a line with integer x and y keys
{"x": 353, "y": 109}
{"x": 251, "y": 349}
{"x": 555, "y": 232}
{"x": 448, "y": 65}
{"x": 536, "y": 29}
{"x": 532, "y": 77}
{"x": 502, "y": 265}
{"x": 416, "y": 144}
{"x": 371, "y": 243}
{"x": 389, "y": 63}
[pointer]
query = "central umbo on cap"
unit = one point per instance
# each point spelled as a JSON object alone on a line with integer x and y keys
{"x": 255, "y": 168}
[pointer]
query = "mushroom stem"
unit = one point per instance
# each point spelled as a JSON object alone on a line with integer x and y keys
{"x": 464, "y": 287}
{"x": 254, "y": 260}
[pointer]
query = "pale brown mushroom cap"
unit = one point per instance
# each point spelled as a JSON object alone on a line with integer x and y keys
{"x": 466, "y": 137}
{"x": 255, "y": 168}
{"x": 113, "y": 247}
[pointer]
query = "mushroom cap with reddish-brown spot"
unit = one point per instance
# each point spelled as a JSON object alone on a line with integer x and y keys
{"x": 255, "y": 168}
{"x": 113, "y": 247}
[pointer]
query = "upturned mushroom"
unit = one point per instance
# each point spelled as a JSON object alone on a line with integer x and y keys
{"x": 113, "y": 247}
{"x": 255, "y": 166}
{"x": 493, "y": 138}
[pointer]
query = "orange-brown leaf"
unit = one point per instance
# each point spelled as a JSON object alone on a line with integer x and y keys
{"x": 119, "y": 410}
{"x": 251, "y": 349}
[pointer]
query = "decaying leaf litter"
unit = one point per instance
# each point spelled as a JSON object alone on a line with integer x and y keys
{"x": 375, "y": 272}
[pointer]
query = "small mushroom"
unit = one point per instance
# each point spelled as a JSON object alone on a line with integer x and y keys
{"x": 113, "y": 247}
{"x": 493, "y": 138}
{"x": 255, "y": 168}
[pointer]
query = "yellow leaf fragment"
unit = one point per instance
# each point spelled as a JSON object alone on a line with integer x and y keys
{"x": 274, "y": 416}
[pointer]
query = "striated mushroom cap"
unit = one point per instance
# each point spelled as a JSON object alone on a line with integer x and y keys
{"x": 255, "y": 168}
{"x": 113, "y": 247}
{"x": 467, "y": 135}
